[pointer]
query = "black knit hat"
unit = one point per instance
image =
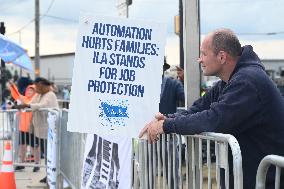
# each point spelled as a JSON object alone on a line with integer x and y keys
{"x": 42, "y": 80}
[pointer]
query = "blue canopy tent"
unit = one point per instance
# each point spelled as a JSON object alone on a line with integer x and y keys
{"x": 24, "y": 62}
{"x": 14, "y": 53}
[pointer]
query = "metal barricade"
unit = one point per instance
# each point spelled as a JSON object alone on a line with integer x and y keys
{"x": 63, "y": 103}
{"x": 266, "y": 162}
{"x": 174, "y": 162}
{"x": 70, "y": 152}
{"x": 163, "y": 165}
{"x": 8, "y": 123}
{"x": 28, "y": 150}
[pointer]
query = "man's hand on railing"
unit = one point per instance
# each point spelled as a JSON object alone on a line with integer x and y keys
{"x": 159, "y": 116}
{"x": 153, "y": 130}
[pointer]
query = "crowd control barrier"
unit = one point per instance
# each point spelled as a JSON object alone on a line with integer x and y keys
{"x": 27, "y": 150}
{"x": 71, "y": 148}
{"x": 175, "y": 161}
{"x": 266, "y": 162}
{"x": 203, "y": 164}
{"x": 8, "y": 122}
{"x": 63, "y": 103}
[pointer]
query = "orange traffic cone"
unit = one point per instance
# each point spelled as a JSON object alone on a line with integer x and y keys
{"x": 7, "y": 177}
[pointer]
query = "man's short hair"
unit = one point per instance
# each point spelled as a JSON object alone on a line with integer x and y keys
{"x": 226, "y": 40}
{"x": 42, "y": 80}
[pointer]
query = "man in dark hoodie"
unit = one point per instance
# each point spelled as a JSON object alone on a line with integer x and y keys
{"x": 245, "y": 103}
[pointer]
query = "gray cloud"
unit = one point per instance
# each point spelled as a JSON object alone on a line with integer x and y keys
{"x": 243, "y": 17}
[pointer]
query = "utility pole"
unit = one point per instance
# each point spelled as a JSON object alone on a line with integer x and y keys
{"x": 2, "y": 31}
{"x": 122, "y": 7}
{"x": 191, "y": 43}
{"x": 37, "y": 56}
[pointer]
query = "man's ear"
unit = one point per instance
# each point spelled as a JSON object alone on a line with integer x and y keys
{"x": 222, "y": 55}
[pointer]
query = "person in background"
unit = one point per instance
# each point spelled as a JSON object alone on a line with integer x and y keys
{"x": 244, "y": 103}
{"x": 22, "y": 84}
{"x": 45, "y": 99}
{"x": 180, "y": 77}
{"x": 24, "y": 120}
{"x": 53, "y": 87}
{"x": 180, "y": 74}
{"x": 66, "y": 97}
{"x": 172, "y": 92}
{"x": 15, "y": 76}
{"x": 5, "y": 77}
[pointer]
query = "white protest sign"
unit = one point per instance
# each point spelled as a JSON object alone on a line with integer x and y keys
{"x": 107, "y": 162}
{"x": 117, "y": 75}
{"x": 51, "y": 150}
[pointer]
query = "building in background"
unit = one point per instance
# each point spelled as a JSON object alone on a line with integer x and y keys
{"x": 57, "y": 68}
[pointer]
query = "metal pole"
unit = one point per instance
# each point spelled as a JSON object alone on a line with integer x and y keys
{"x": 2, "y": 80}
{"x": 20, "y": 41}
{"x": 191, "y": 42}
{"x": 127, "y": 10}
{"x": 181, "y": 50}
{"x": 37, "y": 58}
{"x": 3, "y": 31}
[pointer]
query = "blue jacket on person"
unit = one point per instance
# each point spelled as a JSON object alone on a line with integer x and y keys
{"x": 171, "y": 92}
{"x": 249, "y": 107}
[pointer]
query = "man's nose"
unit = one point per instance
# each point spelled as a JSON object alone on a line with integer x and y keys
{"x": 199, "y": 60}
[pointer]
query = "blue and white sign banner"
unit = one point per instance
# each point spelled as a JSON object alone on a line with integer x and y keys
{"x": 117, "y": 75}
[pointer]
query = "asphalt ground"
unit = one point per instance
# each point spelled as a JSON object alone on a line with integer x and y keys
{"x": 26, "y": 178}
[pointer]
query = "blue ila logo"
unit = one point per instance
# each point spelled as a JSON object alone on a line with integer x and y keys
{"x": 113, "y": 113}
{"x": 114, "y": 110}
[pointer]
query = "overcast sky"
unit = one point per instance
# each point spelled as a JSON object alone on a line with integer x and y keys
{"x": 252, "y": 21}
